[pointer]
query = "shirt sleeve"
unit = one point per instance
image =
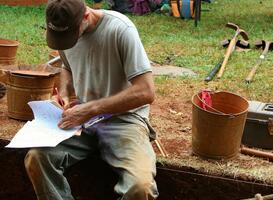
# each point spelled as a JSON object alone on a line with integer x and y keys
{"x": 133, "y": 55}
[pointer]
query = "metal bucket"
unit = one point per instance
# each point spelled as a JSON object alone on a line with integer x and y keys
{"x": 23, "y": 88}
{"x": 217, "y": 135}
{"x": 8, "y": 49}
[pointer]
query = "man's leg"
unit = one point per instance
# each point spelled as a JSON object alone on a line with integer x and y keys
{"x": 45, "y": 166}
{"x": 126, "y": 147}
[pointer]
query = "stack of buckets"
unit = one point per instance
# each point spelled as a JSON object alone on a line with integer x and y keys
{"x": 217, "y": 130}
{"x": 21, "y": 88}
{"x": 24, "y": 88}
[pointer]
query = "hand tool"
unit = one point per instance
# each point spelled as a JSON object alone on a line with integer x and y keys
{"x": 161, "y": 148}
{"x": 214, "y": 71}
{"x": 256, "y": 153}
{"x": 225, "y": 43}
{"x": 266, "y": 46}
{"x": 231, "y": 45}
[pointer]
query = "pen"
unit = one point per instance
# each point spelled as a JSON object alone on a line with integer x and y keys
{"x": 60, "y": 100}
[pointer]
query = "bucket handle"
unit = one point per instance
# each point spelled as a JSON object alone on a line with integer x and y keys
{"x": 8, "y": 74}
{"x": 217, "y": 111}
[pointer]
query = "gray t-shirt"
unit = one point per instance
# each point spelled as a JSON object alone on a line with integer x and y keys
{"x": 103, "y": 61}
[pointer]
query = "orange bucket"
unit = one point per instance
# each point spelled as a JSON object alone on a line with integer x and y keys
{"x": 28, "y": 83}
{"x": 8, "y": 50}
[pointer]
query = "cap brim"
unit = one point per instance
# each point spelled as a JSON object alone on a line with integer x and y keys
{"x": 62, "y": 40}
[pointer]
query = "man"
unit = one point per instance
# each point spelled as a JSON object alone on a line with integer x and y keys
{"x": 111, "y": 74}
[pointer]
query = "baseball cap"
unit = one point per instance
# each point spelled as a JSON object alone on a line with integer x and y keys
{"x": 63, "y": 20}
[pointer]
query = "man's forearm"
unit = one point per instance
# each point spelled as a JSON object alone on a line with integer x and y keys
{"x": 140, "y": 93}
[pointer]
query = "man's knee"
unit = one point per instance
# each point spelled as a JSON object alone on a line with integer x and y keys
{"x": 33, "y": 158}
{"x": 142, "y": 190}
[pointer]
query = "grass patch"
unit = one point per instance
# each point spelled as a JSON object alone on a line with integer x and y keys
{"x": 168, "y": 40}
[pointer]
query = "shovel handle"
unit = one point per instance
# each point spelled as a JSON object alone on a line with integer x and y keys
{"x": 261, "y": 58}
{"x": 251, "y": 74}
{"x": 230, "y": 49}
{"x": 257, "y": 153}
{"x": 213, "y": 72}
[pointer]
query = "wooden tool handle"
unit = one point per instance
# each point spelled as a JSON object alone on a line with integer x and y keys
{"x": 257, "y": 153}
{"x": 227, "y": 55}
{"x": 161, "y": 148}
{"x": 251, "y": 74}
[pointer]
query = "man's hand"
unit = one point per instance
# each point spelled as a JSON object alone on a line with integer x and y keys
{"x": 74, "y": 116}
{"x": 64, "y": 102}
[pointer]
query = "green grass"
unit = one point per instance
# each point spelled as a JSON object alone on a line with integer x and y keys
{"x": 168, "y": 40}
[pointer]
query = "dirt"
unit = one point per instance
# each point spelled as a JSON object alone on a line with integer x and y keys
{"x": 171, "y": 118}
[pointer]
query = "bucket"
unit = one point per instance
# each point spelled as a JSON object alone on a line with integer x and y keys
{"x": 8, "y": 49}
{"x": 24, "y": 88}
{"x": 217, "y": 131}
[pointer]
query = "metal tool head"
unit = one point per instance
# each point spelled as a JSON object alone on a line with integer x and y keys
{"x": 238, "y": 29}
{"x": 240, "y": 43}
{"x": 262, "y": 44}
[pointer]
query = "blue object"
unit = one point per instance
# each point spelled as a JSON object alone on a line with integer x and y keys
{"x": 97, "y": 119}
{"x": 185, "y": 11}
{"x": 184, "y": 8}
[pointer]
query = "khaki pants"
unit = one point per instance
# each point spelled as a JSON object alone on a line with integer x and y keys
{"x": 122, "y": 142}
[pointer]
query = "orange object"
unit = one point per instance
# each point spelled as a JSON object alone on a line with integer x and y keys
{"x": 8, "y": 50}
{"x": 175, "y": 9}
{"x": 217, "y": 131}
{"x": 257, "y": 153}
{"x": 60, "y": 99}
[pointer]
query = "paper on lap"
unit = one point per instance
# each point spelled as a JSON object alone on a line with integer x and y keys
{"x": 43, "y": 131}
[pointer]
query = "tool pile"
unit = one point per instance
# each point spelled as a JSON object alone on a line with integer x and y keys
{"x": 258, "y": 129}
{"x": 234, "y": 43}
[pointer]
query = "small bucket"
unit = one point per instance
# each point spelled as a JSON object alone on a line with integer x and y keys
{"x": 22, "y": 88}
{"x": 8, "y": 50}
{"x": 217, "y": 131}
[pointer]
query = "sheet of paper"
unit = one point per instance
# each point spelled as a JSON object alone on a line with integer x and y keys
{"x": 43, "y": 131}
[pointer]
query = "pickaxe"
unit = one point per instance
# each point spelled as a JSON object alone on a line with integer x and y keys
{"x": 266, "y": 46}
{"x": 231, "y": 45}
{"x": 240, "y": 43}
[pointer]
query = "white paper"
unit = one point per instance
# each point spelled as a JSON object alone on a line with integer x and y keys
{"x": 43, "y": 131}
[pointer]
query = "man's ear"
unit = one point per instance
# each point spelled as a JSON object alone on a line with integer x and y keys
{"x": 86, "y": 15}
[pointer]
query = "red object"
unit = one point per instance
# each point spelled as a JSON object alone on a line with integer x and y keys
{"x": 60, "y": 99}
{"x": 206, "y": 100}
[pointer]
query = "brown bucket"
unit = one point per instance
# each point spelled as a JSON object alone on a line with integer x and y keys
{"x": 22, "y": 88}
{"x": 8, "y": 49}
{"x": 217, "y": 132}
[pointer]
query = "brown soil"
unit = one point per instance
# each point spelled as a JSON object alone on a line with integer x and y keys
{"x": 171, "y": 118}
